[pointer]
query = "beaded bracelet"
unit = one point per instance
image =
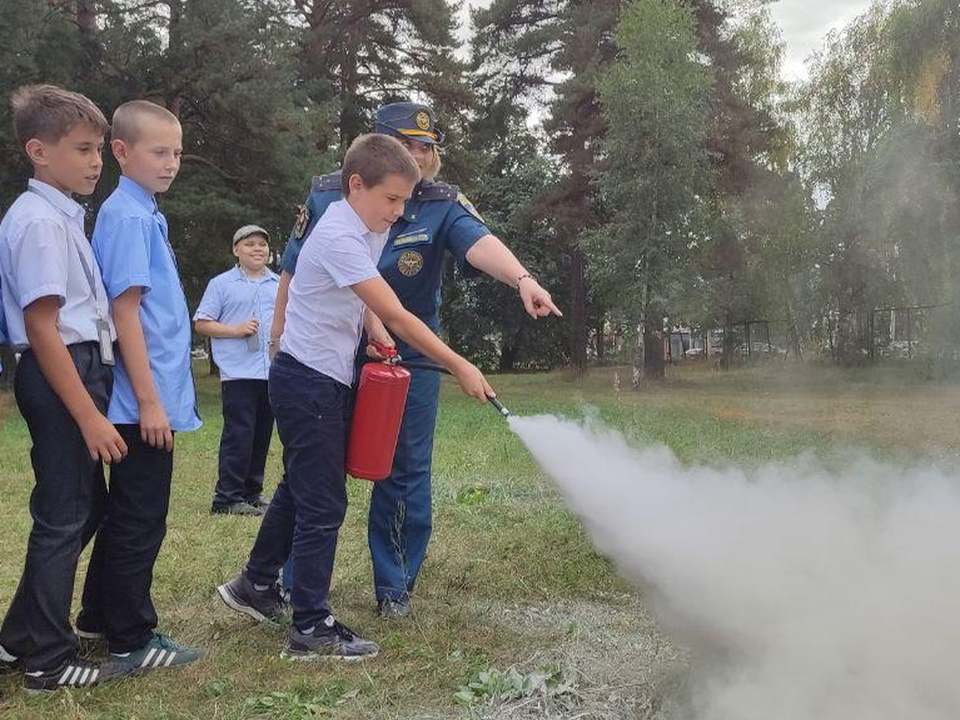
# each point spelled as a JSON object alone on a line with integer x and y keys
{"x": 521, "y": 278}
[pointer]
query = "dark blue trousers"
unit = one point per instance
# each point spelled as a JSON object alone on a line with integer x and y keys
{"x": 117, "y": 595}
{"x": 245, "y": 441}
{"x": 312, "y": 414}
{"x": 66, "y": 506}
{"x": 399, "y": 524}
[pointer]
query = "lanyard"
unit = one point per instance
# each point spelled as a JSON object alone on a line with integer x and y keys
{"x": 83, "y": 261}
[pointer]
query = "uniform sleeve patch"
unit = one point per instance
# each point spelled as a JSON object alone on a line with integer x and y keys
{"x": 468, "y": 206}
{"x": 302, "y": 221}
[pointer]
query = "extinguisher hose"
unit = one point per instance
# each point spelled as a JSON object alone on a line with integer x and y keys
{"x": 423, "y": 365}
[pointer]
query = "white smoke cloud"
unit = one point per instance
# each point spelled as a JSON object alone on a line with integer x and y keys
{"x": 806, "y": 593}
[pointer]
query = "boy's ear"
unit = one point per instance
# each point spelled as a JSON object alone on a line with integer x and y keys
{"x": 355, "y": 183}
{"x": 35, "y": 151}
{"x": 119, "y": 148}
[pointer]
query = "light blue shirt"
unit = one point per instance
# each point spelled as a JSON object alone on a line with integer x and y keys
{"x": 233, "y": 298}
{"x": 45, "y": 253}
{"x": 324, "y": 315}
{"x": 131, "y": 245}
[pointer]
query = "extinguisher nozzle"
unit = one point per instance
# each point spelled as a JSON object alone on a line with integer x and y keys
{"x": 499, "y": 406}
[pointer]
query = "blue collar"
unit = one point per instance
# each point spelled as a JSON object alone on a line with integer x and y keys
{"x": 62, "y": 202}
{"x": 138, "y": 193}
{"x": 268, "y": 275}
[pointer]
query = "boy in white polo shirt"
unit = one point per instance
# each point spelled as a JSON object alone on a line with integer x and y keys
{"x": 310, "y": 385}
{"x": 57, "y": 315}
{"x": 236, "y": 311}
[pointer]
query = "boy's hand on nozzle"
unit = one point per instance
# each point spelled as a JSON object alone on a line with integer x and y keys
{"x": 155, "y": 426}
{"x": 102, "y": 439}
{"x": 245, "y": 329}
{"x": 472, "y": 381}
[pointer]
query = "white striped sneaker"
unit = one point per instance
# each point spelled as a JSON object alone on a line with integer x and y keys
{"x": 75, "y": 674}
{"x": 159, "y": 652}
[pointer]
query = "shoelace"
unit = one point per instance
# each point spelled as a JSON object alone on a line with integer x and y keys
{"x": 165, "y": 642}
{"x": 343, "y": 631}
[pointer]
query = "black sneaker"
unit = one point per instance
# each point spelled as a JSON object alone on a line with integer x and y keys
{"x": 390, "y": 609}
{"x": 259, "y": 502}
{"x": 8, "y": 661}
{"x": 329, "y": 641}
{"x": 237, "y": 508}
{"x": 242, "y": 596}
{"x": 75, "y": 674}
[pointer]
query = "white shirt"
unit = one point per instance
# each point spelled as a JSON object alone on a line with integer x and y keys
{"x": 324, "y": 316}
{"x": 41, "y": 244}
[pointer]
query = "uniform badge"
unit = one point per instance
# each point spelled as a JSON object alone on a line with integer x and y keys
{"x": 468, "y": 206}
{"x": 303, "y": 219}
{"x": 410, "y": 263}
{"x": 422, "y": 119}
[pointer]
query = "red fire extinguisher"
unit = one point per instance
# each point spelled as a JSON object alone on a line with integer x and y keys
{"x": 378, "y": 410}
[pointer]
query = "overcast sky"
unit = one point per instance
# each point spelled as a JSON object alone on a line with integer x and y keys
{"x": 805, "y": 23}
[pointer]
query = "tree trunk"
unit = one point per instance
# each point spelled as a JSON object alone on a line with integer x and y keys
{"x": 175, "y": 53}
{"x": 578, "y": 311}
{"x": 600, "y": 344}
{"x": 639, "y": 363}
{"x": 654, "y": 362}
{"x": 729, "y": 344}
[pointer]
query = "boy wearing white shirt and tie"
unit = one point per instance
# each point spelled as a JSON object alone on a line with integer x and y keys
{"x": 57, "y": 315}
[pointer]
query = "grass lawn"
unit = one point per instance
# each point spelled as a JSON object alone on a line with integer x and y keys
{"x": 511, "y": 580}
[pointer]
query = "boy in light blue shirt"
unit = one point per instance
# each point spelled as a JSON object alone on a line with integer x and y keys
{"x": 153, "y": 396}
{"x": 237, "y": 313}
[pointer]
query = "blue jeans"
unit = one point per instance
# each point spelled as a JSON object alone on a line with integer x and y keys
{"x": 312, "y": 414}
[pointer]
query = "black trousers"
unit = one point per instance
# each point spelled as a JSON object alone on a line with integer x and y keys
{"x": 66, "y": 506}
{"x": 247, "y": 428}
{"x": 116, "y": 596}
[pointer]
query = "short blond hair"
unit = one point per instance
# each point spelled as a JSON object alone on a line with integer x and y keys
{"x": 373, "y": 157}
{"x": 127, "y": 117}
{"x": 49, "y": 113}
{"x": 434, "y": 169}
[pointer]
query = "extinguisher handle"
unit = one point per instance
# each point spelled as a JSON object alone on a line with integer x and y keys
{"x": 389, "y": 354}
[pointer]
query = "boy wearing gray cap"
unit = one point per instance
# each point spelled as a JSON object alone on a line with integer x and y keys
{"x": 236, "y": 312}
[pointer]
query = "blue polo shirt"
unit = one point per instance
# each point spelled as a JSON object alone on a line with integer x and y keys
{"x": 131, "y": 244}
{"x": 233, "y": 298}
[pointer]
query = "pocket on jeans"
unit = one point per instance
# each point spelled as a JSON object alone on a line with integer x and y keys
{"x": 325, "y": 397}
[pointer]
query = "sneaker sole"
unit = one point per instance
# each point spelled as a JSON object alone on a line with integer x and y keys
{"x": 317, "y": 657}
{"x": 88, "y": 634}
{"x": 234, "y": 604}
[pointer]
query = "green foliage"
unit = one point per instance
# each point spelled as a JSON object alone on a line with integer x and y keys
{"x": 494, "y": 686}
{"x": 298, "y": 705}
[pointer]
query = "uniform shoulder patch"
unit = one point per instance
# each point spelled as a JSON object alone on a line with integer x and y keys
{"x": 302, "y": 221}
{"x": 468, "y": 206}
{"x": 434, "y": 190}
{"x": 326, "y": 183}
